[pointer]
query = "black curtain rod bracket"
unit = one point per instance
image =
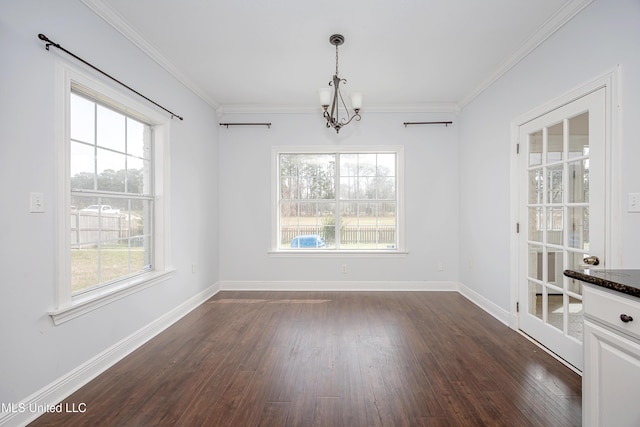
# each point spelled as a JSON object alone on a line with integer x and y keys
{"x": 49, "y": 43}
{"x": 427, "y": 123}
{"x": 268, "y": 125}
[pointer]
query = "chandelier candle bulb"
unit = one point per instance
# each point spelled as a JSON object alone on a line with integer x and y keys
{"x": 356, "y": 101}
{"x": 325, "y": 96}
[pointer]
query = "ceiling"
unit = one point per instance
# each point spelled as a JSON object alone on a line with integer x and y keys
{"x": 410, "y": 55}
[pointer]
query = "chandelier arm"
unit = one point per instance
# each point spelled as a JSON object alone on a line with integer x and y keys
{"x": 355, "y": 116}
{"x": 328, "y": 118}
{"x": 348, "y": 118}
{"x": 331, "y": 122}
{"x": 334, "y": 109}
{"x": 336, "y": 93}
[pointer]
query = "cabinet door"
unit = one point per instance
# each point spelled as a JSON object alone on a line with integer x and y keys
{"x": 611, "y": 378}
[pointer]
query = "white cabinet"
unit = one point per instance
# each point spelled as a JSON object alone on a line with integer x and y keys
{"x": 611, "y": 376}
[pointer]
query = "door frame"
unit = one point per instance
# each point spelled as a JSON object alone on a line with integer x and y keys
{"x": 613, "y": 207}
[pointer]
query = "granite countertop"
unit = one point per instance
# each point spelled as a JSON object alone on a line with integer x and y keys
{"x": 625, "y": 281}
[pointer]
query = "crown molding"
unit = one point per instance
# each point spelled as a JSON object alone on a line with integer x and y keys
{"x": 316, "y": 109}
{"x": 113, "y": 18}
{"x": 546, "y": 30}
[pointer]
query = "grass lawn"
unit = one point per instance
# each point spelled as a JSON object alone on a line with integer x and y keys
{"x": 112, "y": 263}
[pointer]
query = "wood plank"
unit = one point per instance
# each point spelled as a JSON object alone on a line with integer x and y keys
{"x": 332, "y": 358}
{"x": 274, "y": 414}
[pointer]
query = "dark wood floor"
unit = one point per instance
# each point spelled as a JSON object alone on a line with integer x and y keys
{"x": 332, "y": 359}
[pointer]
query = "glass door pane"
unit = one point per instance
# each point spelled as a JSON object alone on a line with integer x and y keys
{"x": 558, "y": 221}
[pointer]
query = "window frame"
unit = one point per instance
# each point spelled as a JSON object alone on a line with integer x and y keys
{"x": 68, "y": 305}
{"x": 276, "y": 151}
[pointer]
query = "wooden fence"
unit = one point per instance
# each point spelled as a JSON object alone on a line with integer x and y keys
{"x": 348, "y": 234}
{"x": 87, "y": 228}
{"x": 372, "y": 234}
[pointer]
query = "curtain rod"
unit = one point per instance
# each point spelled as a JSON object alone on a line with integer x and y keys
{"x": 268, "y": 125}
{"x": 427, "y": 123}
{"x": 51, "y": 43}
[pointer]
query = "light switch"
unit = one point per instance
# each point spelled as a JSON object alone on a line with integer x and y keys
{"x": 634, "y": 202}
{"x": 36, "y": 202}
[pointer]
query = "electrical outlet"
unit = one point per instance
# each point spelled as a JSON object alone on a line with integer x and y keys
{"x": 36, "y": 202}
{"x": 194, "y": 268}
{"x": 440, "y": 266}
{"x": 343, "y": 268}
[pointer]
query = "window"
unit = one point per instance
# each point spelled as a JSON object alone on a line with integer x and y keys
{"x": 341, "y": 200}
{"x": 111, "y": 187}
{"x": 113, "y": 200}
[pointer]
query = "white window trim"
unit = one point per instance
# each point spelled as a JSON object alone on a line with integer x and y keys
{"x": 68, "y": 306}
{"x": 359, "y": 253}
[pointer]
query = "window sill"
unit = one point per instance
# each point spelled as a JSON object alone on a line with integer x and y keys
{"x": 86, "y": 303}
{"x": 337, "y": 253}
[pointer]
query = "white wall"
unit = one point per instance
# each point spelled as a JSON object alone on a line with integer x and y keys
{"x": 34, "y": 353}
{"x": 431, "y": 203}
{"x": 603, "y": 35}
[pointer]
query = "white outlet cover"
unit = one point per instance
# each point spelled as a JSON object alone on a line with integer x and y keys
{"x": 634, "y": 202}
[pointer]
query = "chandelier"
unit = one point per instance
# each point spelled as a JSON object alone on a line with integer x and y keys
{"x": 332, "y": 96}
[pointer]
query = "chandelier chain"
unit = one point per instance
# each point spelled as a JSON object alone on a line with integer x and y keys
{"x": 336, "y": 60}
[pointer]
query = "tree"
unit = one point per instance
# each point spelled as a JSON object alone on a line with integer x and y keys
{"x": 131, "y": 180}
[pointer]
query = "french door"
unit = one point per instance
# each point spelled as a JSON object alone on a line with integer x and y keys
{"x": 562, "y": 219}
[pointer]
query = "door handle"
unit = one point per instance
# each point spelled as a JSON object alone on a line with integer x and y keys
{"x": 591, "y": 260}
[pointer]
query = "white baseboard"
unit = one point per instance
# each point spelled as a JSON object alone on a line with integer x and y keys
{"x": 373, "y": 286}
{"x": 490, "y": 307}
{"x": 60, "y": 389}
